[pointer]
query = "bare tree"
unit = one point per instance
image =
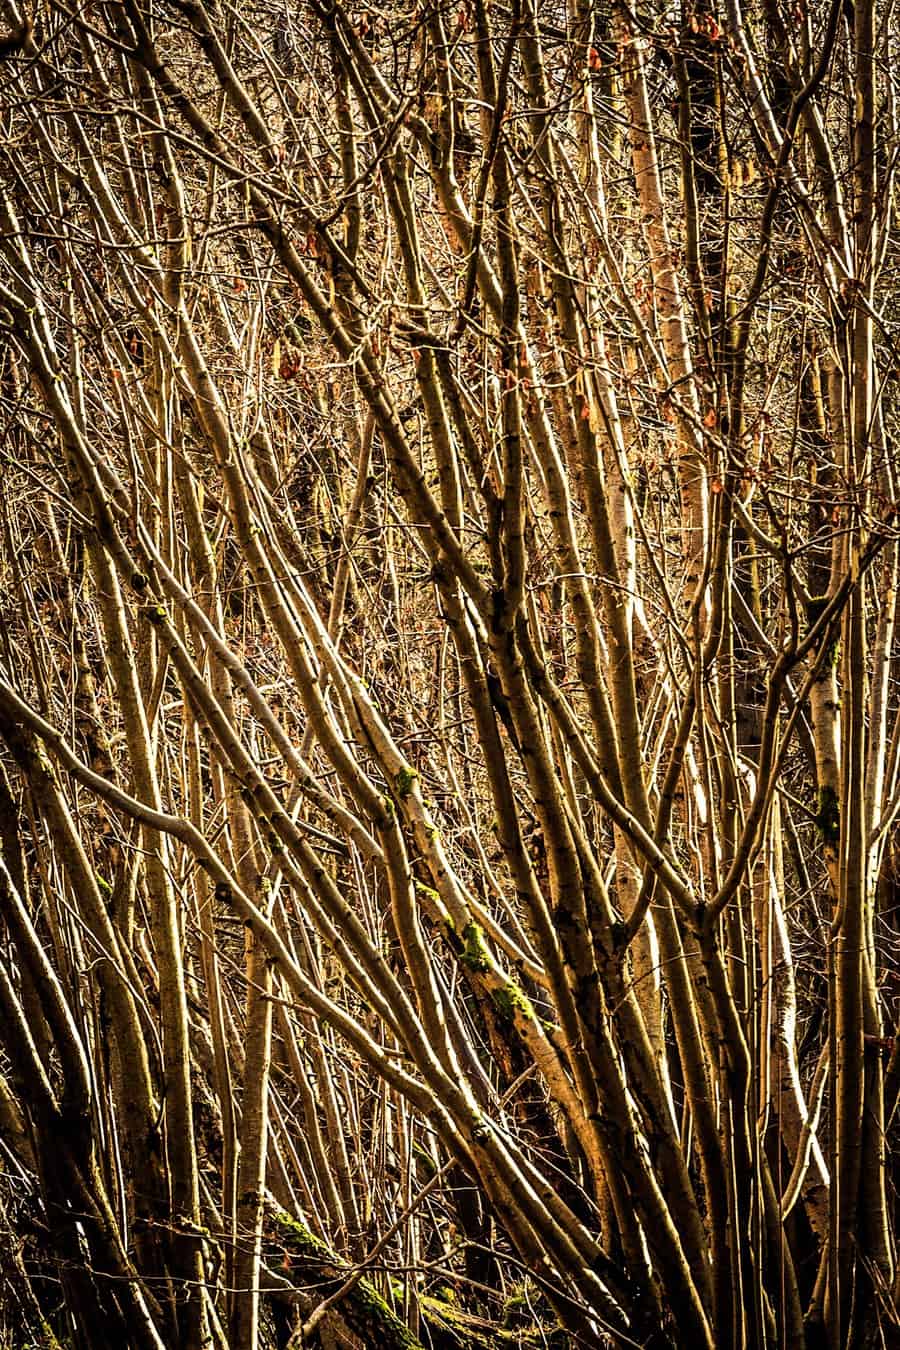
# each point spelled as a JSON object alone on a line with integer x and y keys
{"x": 449, "y": 695}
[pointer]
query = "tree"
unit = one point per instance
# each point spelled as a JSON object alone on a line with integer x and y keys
{"x": 448, "y": 698}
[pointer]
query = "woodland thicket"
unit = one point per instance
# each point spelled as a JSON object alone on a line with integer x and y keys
{"x": 449, "y": 679}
